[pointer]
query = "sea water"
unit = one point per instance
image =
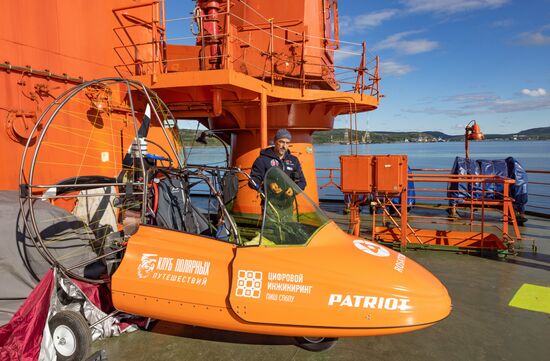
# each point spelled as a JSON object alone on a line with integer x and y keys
{"x": 533, "y": 155}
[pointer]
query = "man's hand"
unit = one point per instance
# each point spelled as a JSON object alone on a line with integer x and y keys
{"x": 289, "y": 192}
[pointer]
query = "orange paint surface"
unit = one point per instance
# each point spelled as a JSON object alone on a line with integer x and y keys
{"x": 359, "y": 287}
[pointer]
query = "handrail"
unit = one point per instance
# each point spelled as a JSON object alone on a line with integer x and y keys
{"x": 222, "y": 57}
{"x": 538, "y": 196}
{"x": 156, "y": 26}
{"x": 484, "y": 210}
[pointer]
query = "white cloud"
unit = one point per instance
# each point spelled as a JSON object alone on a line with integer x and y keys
{"x": 540, "y": 92}
{"x": 345, "y": 52}
{"x": 388, "y": 68}
{"x": 451, "y": 6}
{"x": 472, "y": 99}
{"x": 348, "y": 24}
{"x": 468, "y": 104}
{"x": 439, "y": 111}
{"x": 344, "y": 24}
{"x": 533, "y": 38}
{"x": 502, "y": 23}
{"x": 414, "y": 46}
{"x": 519, "y": 105}
{"x": 374, "y": 19}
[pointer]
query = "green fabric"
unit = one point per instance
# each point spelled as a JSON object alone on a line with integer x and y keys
{"x": 256, "y": 241}
{"x": 532, "y": 298}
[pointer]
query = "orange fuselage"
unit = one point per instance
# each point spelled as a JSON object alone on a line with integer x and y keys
{"x": 336, "y": 285}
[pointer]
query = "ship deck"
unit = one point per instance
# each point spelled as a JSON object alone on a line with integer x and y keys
{"x": 482, "y": 325}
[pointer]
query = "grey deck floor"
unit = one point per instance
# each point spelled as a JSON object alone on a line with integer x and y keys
{"x": 481, "y": 326}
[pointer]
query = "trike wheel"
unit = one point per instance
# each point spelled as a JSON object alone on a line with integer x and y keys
{"x": 71, "y": 336}
{"x": 316, "y": 344}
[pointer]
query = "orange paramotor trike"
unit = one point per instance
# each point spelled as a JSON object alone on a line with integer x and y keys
{"x": 109, "y": 156}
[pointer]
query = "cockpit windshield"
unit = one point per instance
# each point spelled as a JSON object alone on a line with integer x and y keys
{"x": 289, "y": 216}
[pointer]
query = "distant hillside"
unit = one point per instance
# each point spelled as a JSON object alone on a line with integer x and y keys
{"x": 436, "y": 134}
{"x": 189, "y": 136}
{"x": 339, "y": 136}
{"x": 536, "y": 131}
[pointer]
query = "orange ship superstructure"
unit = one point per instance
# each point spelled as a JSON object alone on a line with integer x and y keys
{"x": 256, "y": 66}
{"x": 47, "y": 48}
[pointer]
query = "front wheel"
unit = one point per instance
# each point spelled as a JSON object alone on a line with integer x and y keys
{"x": 71, "y": 335}
{"x": 316, "y": 344}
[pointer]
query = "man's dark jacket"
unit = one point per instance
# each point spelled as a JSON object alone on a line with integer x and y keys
{"x": 289, "y": 164}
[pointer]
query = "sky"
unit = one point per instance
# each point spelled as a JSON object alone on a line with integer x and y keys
{"x": 444, "y": 63}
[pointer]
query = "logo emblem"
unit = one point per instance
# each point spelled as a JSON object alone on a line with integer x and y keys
{"x": 371, "y": 248}
{"x": 147, "y": 265}
{"x": 372, "y": 302}
{"x": 249, "y": 284}
{"x": 274, "y": 163}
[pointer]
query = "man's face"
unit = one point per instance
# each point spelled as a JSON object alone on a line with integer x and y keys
{"x": 281, "y": 146}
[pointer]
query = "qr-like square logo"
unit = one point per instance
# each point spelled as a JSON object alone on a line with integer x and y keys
{"x": 249, "y": 284}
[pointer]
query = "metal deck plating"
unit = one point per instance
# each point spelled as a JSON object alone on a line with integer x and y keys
{"x": 482, "y": 325}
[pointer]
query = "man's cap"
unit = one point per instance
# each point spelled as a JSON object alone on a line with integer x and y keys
{"x": 282, "y": 133}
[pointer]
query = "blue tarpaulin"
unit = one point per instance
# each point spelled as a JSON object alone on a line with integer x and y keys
{"x": 508, "y": 167}
{"x": 411, "y": 194}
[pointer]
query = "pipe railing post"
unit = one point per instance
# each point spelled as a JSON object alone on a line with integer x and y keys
{"x": 505, "y": 210}
{"x": 263, "y": 119}
{"x": 227, "y": 35}
{"x": 303, "y": 63}
{"x": 404, "y": 209}
{"x": 271, "y": 50}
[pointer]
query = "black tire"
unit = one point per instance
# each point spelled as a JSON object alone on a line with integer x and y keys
{"x": 71, "y": 336}
{"x": 316, "y": 344}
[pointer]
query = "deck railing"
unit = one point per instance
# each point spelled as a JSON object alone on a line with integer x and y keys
{"x": 539, "y": 192}
{"x": 538, "y": 187}
{"x": 141, "y": 34}
{"x": 467, "y": 212}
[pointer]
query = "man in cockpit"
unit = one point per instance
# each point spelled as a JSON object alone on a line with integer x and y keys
{"x": 277, "y": 156}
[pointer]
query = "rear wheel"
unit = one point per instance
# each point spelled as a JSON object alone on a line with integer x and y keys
{"x": 316, "y": 344}
{"x": 71, "y": 336}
